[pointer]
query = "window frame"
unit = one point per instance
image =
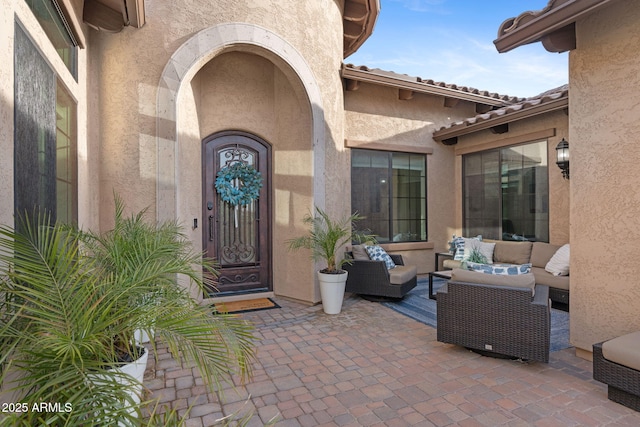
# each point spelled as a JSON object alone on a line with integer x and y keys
{"x": 392, "y": 198}
{"x": 36, "y": 174}
{"x": 59, "y": 34}
{"x": 543, "y": 142}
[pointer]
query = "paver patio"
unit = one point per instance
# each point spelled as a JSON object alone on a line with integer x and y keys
{"x": 371, "y": 366}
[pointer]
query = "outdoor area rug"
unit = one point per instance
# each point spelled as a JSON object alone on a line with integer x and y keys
{"x": 245, "y": 305}
{"x": 417, "y": 305}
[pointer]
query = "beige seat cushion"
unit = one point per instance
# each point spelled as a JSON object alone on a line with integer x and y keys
{"x": 516, "y": 281}
{"x": 512, "y": 252}
{"x": 542, "y": 252}
{"x": 624, "y": 350}
{"x": 402, "y": 273}
{"x": 451, "y": 264}
{"x": 543, "y": 277}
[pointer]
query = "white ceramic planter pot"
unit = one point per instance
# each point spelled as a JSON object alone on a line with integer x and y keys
{"x": 134, "y": 369}
{"x": 332, "y": 291}
{"x": 141, "y": 337}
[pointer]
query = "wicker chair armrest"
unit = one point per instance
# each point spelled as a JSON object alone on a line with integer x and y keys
{"x": 397, "y": 259}
{"x": 541, "y": 296}
{"x": 367, "y": 266}
{"x": 366, "y": 276}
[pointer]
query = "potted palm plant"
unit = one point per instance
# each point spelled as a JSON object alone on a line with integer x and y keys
{"x": 72, "y": 301}
{"x": 324, "y": 238}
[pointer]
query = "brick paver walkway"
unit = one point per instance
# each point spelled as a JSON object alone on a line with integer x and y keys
{"x": 370, "y": 366}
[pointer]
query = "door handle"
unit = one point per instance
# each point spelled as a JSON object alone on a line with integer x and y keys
{"x": 211, "y": 228}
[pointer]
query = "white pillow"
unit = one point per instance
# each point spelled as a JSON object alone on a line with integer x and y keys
{"x": 558, "y": 265}
{"x": 484, "y": 248}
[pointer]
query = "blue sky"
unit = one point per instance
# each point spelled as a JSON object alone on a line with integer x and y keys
{"x": 452, "y": 41}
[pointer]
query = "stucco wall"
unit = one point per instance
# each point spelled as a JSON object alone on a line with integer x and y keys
{"x": 374, "y": 113}
{"x": 605, "y": 195}
{"x": 133, "y": 61}
{"x": 257, "y": 97}
{"x": 522, "y": 131}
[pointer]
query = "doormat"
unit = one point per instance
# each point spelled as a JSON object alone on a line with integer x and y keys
{"x": 245, "y": 305}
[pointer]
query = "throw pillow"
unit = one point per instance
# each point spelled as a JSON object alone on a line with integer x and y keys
{"x": 558, "y": 265}
{"x": 485, "y": 249}
{"x": 506, "y": 270}
{"x": 359, "y": 252}
{"x": 376, "y": 253}
{"x": 458, "y": 242}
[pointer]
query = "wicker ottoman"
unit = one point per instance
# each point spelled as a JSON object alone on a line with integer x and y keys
{"x": 617, "y": 363}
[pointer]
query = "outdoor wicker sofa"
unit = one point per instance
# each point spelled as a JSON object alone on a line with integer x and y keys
{"x": 495, "y": 319}
{"x": 372, "y": 280}
{"x": 536, "y": 253}
{"x": 623, "y": 382}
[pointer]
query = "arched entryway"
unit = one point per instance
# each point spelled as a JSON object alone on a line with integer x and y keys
{"x": 238, "y": 236}
{"x": 240, "y": 76}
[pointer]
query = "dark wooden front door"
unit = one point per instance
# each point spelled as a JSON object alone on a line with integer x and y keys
{"x": 237, "y": 237}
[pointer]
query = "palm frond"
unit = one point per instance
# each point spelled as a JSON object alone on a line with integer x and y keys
{"x": 72, "y": 301}
{"x": 325, "y": 236}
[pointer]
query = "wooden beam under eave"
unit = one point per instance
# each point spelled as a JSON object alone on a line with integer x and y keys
{"x": 500, "y": 129}
{"x": 450, "y": 102}
{"x": 101, "y": 17}
{"x": 561, "y": 40}
{"x": 405, "y": 94}
{"x": 354, "y": 11}
{"x": 483, "y": 108}
{"x": 352, "y": 85}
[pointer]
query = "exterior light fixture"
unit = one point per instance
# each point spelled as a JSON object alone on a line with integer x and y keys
{"x": 562, "y": 156}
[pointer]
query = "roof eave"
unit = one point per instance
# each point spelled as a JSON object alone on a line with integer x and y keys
{"x": 114, "y": 15}
{"x": 465, "y": 128}
{"x": 359, "y": 18}
{"x": 555, "y": 17}
{"x": 420, "y": 87}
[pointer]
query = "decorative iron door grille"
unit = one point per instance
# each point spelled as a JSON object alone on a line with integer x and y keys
{"x": 237, "y": 236}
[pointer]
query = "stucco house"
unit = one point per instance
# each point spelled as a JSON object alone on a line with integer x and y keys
{"x": 151, "y": 99}
{"x": 604, "y": 82}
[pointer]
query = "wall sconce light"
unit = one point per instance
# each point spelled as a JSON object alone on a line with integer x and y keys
{"x": 562, "y": 156}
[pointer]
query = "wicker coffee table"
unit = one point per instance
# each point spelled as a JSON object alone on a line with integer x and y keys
{"x": 444, "y": 274}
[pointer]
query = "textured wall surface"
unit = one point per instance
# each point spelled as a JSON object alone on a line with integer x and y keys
{"x": 17, "y": 12}
{"x": 559, "y": 200}
{"x": 248, "y": 92}
{"x": 241, "y": 62}
{"x": 375, "y": 114}
{"x": 605, "y": 190}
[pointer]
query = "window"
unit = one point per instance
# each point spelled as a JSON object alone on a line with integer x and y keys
{"x": 45, "y": 171}
{"x": 506, "y": 193}
{"x": 390, "y": 190}
{"x": 50, "y": 17}
{"x": 66, "y": 169}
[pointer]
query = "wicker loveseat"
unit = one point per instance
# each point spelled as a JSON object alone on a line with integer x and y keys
{"x": 503, "y": 315}
{"x": 372, "y": 280}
